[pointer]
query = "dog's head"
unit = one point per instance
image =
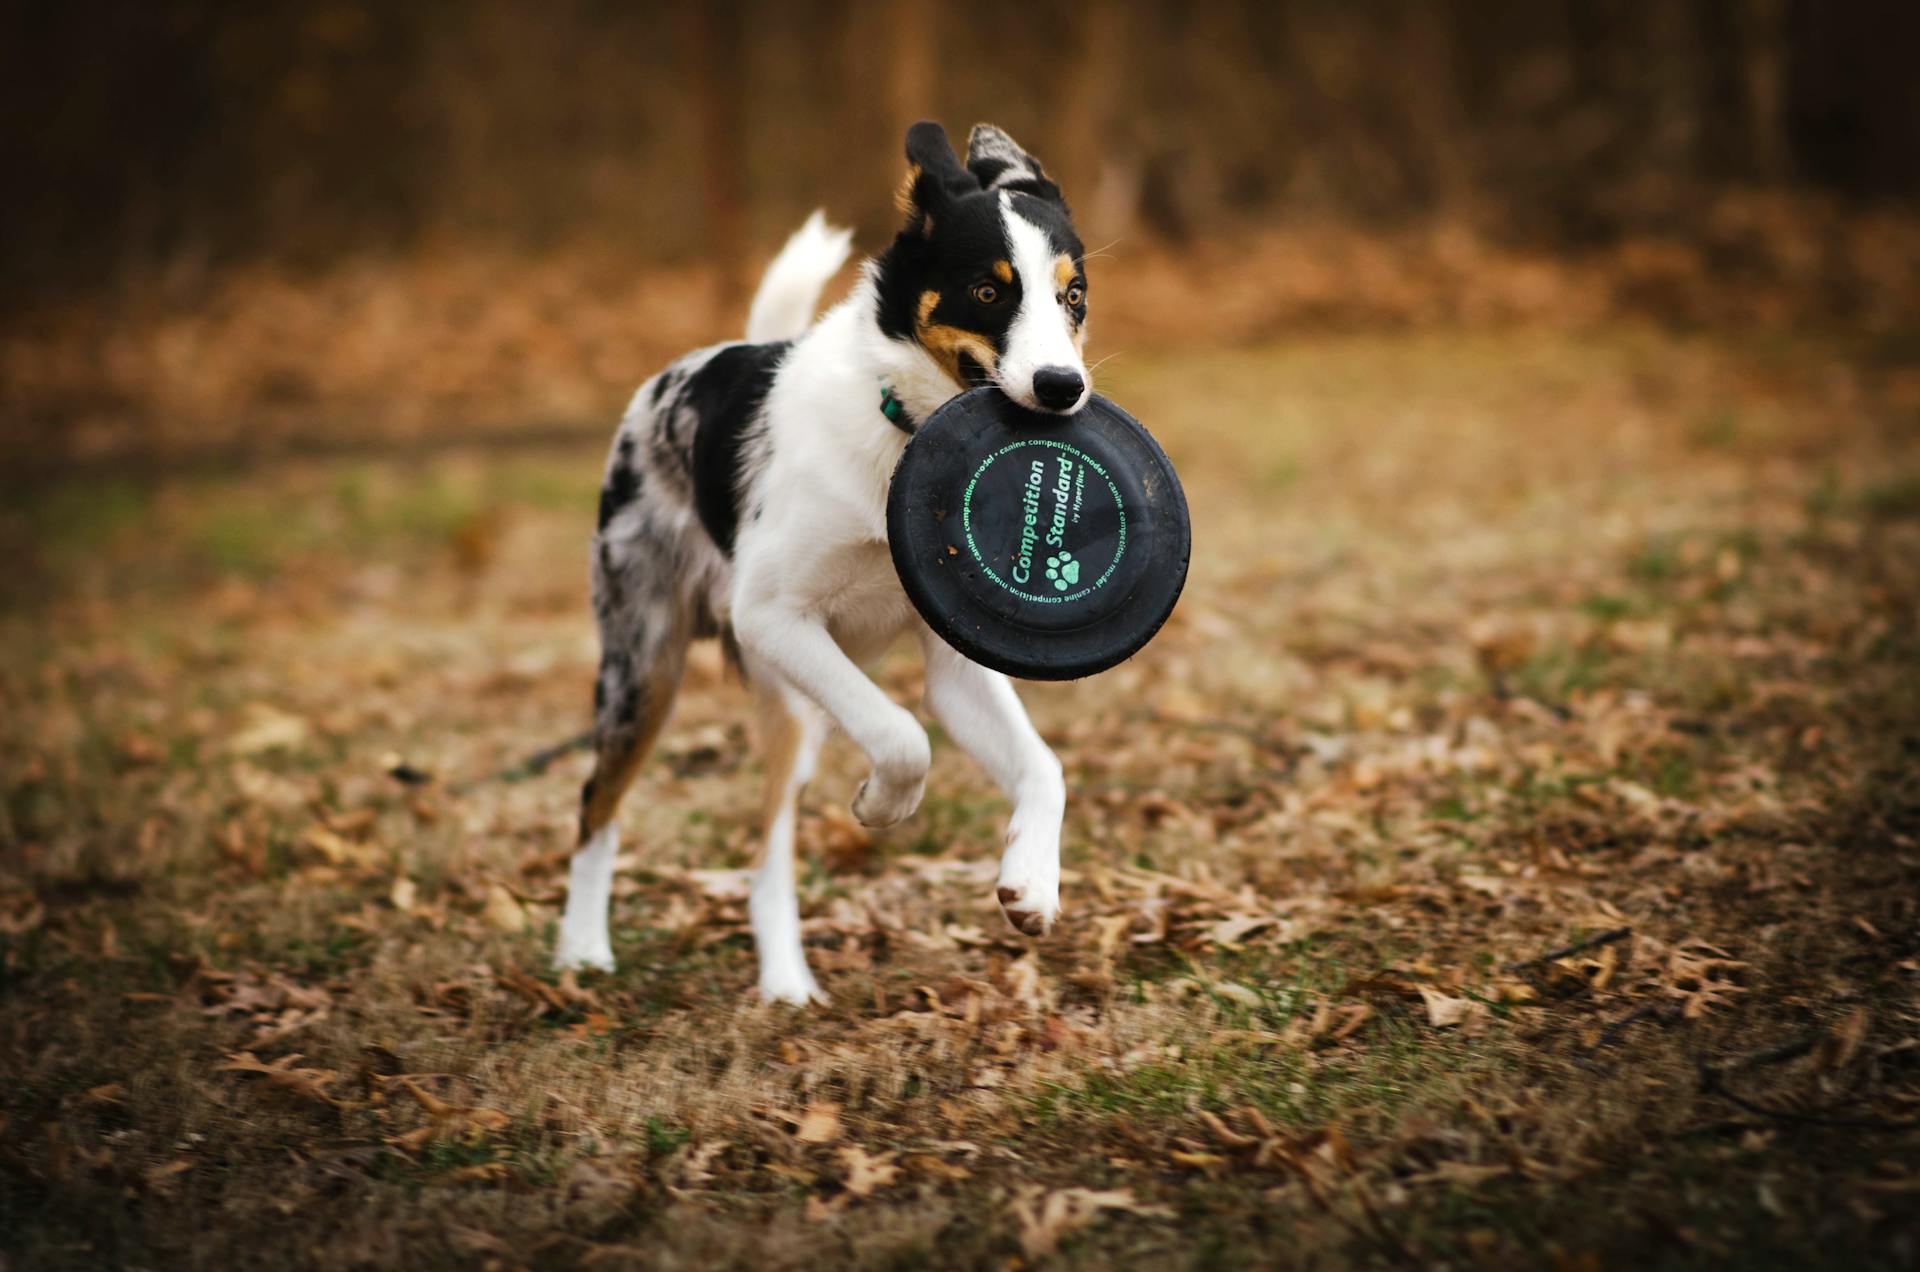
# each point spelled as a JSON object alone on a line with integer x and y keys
{"x": 986, "y": 274}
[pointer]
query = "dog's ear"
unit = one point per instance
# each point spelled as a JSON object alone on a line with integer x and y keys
{"x": 998, "y": 163}
{"x": 934, "y": 175}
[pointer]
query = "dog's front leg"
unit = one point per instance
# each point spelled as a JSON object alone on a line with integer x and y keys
{"x": 983, "y": 714}
{"x": 774, "y": 630}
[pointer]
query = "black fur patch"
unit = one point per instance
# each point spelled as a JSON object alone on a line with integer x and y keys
{"x": 968, "y": 238}
{"x": 1051, "y": 216}
{"x": 610, "y": 596}
{"x": 623, "y": 482}
{"x": 726, "y": 396}
{"x": 663, "y": 384}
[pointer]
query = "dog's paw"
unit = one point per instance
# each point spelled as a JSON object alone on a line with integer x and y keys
{"x": 879, "y": 802}
{"x": 794, "y": 989}
{"x": 1030, "y": 907}
{"x": 582, "y": 956}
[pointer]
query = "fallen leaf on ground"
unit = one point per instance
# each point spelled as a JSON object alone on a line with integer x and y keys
{"x": 336, "y": 850}
{"x": 1024, "y": 983}
{"x": 1353, "y": 1017}
{"x": 1044, "y": 1220}
{"x": 1230, "y": 931}
{"x": 454, "y": 1118}
{"x": 267, "y": 728}
{"x": 1445, "y": 1011}
{"x": 1236, "y": 993}
{"x": 819, "y": 1124}
{"x": 309, "y": 1084}
{"x": 477, "y": 1241}
{"x": 1464, "y": 1174}
{"x": 867, "y": 1173}
{"x": 1837, "y": 1050}
{"x": 503, "y": 911}
{"x": 161, "y": 1179}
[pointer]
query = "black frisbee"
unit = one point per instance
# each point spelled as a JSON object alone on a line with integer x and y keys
{"x": 1048, "y": 547}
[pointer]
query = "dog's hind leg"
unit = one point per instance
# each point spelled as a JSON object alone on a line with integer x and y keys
{"x": 643, "y": 647}
{"x": 635, "y": 705}
{"x": 791, "y": 730}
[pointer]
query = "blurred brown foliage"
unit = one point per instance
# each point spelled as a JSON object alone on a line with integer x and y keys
{"x": 338, "y": 222}
{"x": 142, "y": 133}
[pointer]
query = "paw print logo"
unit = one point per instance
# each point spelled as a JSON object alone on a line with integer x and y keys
{"x": 1063, "y": 570}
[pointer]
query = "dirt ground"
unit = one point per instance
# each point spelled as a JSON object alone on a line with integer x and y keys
{"x": 1509, "y": 855}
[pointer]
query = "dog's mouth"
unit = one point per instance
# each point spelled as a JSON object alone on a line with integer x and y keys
{"x": 972, "y": 374}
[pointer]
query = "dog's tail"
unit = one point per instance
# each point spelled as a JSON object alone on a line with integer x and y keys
{"x": 783, "y": 307}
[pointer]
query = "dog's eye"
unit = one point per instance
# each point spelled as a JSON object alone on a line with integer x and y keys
{"x": 986, "y": 293}
{"x": 1075, "y": 295}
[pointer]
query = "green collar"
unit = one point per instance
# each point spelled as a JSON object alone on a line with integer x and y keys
{"x": 894, "y": 409}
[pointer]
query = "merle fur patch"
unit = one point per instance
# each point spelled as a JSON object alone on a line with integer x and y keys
{"x": 726, "y": 397}
{"x": 623, "y": 481}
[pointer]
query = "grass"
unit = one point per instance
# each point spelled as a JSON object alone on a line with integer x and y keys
{"x": 1500, "y": 679}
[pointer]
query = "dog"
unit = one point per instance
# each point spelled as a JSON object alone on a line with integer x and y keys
{"x": 745, "y": 499}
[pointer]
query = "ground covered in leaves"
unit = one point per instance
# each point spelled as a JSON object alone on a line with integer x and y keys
{"x": 1508, "y": 854}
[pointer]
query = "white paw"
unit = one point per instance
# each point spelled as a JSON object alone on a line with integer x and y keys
{"x": 879, "y": 802}
{"x": 1031, "y": 902}
{"x": 897, "y": 780}
{"x": 583, "y": 954}
{"x": 785, "y": 985}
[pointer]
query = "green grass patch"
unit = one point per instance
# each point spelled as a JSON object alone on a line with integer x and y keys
{"x": 1558, "y": 671}
{"x": 946, "y": 821}
{"x": 1658, "y": 561}
{"x": 1719, "y": 431}
{"x": 1894, "y": 498}
{"x": 663, "y": 1137}
{"x": 71, "y": 519}
{"x": 1606, "y": 607}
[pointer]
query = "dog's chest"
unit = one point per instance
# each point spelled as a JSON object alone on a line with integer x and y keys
{"x": 865, "y": 603}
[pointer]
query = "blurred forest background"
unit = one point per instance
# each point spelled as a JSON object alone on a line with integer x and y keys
{"x": 1508, "y": 855}
{"x": 230, "y": 226}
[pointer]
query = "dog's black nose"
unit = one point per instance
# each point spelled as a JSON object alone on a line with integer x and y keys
{"x": 1057, "y": 388}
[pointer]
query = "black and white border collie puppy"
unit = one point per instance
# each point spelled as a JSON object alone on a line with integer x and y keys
{"x": 745, "y": 498}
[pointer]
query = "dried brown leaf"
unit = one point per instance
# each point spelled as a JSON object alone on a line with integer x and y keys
{"x": 503, "y": 910}
{"x": 1045, "y": 1219}
{"x": 307, "y": 1084}
{"x": 1444, "y": 1011}
{"x": 819, "y": 1123}
{"x": 866, "y": 1174}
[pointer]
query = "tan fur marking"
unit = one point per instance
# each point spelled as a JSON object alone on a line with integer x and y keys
{"x": 617, "y": 760}
{"x": 946, "y": 344}
{"x": 614, "y": 770}
{"x": 780, "y": 736}
{"x": 1063, "y": 271}
{"x": 1003, "y": 270}
{"x": 903, "y": 195}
